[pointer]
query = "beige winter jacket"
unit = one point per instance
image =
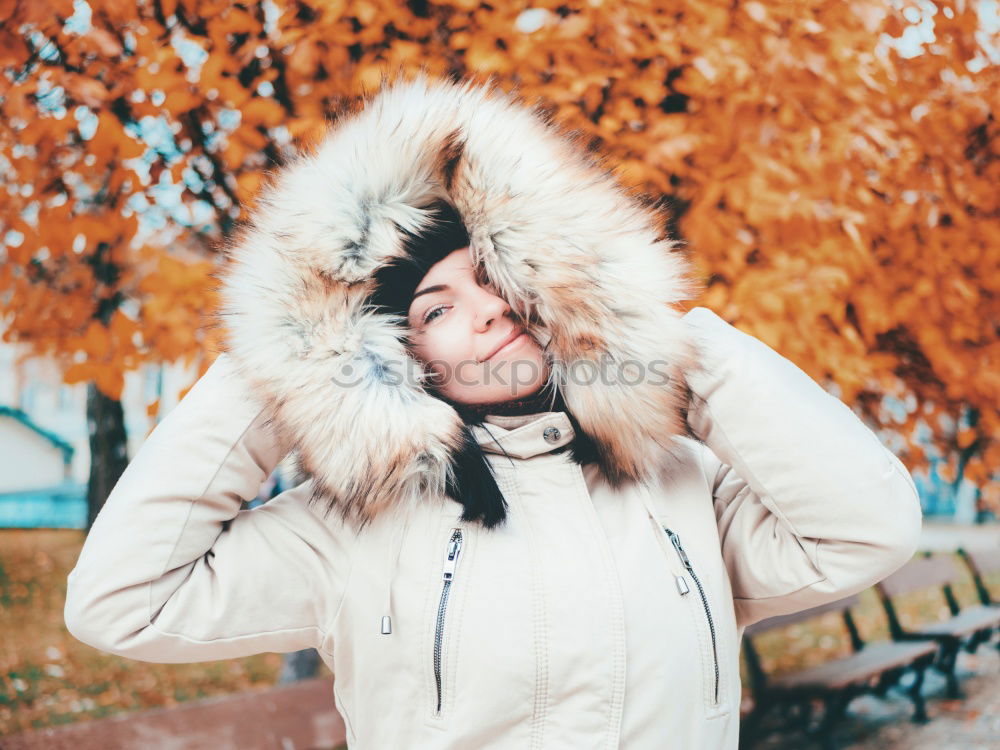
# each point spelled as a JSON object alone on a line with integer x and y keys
{"x": 593, "y": 619}
{"x": 606, "y": 611}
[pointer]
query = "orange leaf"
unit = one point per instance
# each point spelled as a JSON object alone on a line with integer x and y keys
{"x": 110, "y": 381}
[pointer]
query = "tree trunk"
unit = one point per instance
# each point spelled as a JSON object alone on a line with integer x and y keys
{"x": 108, "y": 448}
{"x": 964, "y": 454}
{"x": 299, "y": 665}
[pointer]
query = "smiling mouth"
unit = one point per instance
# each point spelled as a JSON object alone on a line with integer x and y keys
{"x": 513, "y": 343}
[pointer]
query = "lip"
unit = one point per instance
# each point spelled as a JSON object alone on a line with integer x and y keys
{"x": 510, "y": 343}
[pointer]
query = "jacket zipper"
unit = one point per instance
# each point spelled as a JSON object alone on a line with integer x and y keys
{"x": 676, "y": 541}
{"x": 447, "y": 577}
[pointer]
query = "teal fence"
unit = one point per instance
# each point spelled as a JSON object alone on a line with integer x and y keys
{"x": 61, "y": 507}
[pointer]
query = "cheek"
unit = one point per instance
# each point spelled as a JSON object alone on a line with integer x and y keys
{"x": 533, "y": 352}
{"x": 440, "y": 349}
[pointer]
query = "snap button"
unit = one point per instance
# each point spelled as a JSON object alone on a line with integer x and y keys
{"x": 552, "y": 434}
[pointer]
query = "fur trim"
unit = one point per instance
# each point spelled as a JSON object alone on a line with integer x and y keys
{"x": 581, "y": 262}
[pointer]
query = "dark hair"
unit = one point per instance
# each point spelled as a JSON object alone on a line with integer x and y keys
{"x": 473, "y": 484}
{"x": 396, "y": 282}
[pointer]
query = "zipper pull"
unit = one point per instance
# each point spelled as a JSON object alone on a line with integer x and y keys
{"x": 676, "y": 541}
{"x": 454, "y": 549}
{"x": 682, "y": 585}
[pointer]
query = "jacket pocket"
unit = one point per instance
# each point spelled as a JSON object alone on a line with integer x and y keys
{"x": 694, "y": 590}
{"x": 443, "y": 637}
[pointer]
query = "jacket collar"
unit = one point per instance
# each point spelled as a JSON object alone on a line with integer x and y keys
{"x": 524, "y": 436}
{"x": 585, "y": 267}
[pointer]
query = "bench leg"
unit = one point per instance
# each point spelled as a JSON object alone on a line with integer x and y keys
{"x": 946, "y": 665}
{"x": 751, "y": 724}
{"x": 919, "y": 710}
{"x": 803, "y": 715}
{"x": 748, "y": 731}
{"x": 886, "y": 681}
{"x": 980, "y": 636}
{"x": 835, "y": 708}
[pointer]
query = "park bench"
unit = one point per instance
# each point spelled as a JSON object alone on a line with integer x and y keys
{"x": 873, "y": 667}
{"x": 983, "y": 563}
{"x": 966, "y": 627}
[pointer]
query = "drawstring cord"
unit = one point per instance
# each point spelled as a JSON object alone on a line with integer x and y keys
{"x": 647, "y": 501}
{"x": 496, "y": 440}
{"x": 399, "y": 534}
{"x": 392, "y": 565}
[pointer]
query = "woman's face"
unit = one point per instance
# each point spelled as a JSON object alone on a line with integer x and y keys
{"x": 466, "y": 336}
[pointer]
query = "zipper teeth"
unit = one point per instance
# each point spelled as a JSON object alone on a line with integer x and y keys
{"x": 711, "y": 627}
{"x": 438, "y": 639}
{"x": 456, "y": 537}
{"x": 676, "y": 541}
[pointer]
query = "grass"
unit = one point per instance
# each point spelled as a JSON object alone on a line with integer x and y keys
{"x": 48, "y": 678}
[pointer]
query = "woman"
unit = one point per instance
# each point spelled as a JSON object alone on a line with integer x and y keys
{"x": 550, "y": 540}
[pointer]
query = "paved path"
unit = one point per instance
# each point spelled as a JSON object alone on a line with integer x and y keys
{"x": 287, "y": 717}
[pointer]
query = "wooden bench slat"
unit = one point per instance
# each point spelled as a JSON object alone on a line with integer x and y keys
{"x": 918, "y": 574}
{"x": 807, "y": 614}
{"x": 871, "y": 661}
{"x": 967, "y": 621}
{"x": 985, "y": 561}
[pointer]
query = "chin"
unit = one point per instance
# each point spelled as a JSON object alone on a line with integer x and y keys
{"x": 505, "y": 385}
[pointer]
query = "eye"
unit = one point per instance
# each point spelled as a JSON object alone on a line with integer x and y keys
{"x": 429, "y": 315}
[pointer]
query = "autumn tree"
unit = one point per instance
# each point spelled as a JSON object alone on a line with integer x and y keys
{"x": 78, "y": 281}
{"x": 836, "y": 190}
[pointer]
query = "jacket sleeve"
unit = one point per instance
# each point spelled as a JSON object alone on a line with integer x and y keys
{"x": 811, "y": 507}
{"x": 173, "y": 571}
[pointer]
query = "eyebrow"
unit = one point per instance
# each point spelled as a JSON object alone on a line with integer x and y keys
{"x": 431, "y": 289}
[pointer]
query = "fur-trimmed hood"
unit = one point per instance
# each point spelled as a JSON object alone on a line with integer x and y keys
{"x": 584, "y": 265}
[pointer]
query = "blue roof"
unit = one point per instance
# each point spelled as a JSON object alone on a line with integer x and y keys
{"x": 58, "y": 442}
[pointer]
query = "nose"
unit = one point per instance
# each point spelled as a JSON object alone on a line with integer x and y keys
{"x": 489, "y": 307}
